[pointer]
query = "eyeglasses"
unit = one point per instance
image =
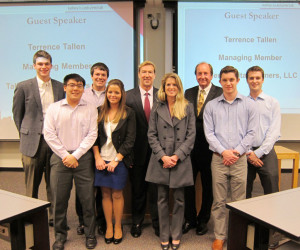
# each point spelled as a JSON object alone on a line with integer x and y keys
{"x": 72, "y": 85}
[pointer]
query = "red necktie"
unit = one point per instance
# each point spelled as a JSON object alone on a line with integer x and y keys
{"x": 147, "y": 107}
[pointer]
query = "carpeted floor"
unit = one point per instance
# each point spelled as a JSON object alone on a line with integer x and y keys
{"x": 14, "y": 182}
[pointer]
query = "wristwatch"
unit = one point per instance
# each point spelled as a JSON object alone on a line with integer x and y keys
{"x": 116, "y": 159}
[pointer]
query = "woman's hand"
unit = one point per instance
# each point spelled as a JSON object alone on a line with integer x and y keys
{"x": 111, "y": 166}
{"x": 168, "y": 161}
{"x": 100, "y": 163}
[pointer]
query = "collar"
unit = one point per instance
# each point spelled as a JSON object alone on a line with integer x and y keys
{"x": 40, "y": 82}
{"x": 82, "y": 102}
{"x": 262, "y": 96}
{"x": 207, "y": 89}
{"x": 143, "y": 92}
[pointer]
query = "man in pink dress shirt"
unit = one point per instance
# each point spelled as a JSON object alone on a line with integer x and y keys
{"x": 70, "y": 131}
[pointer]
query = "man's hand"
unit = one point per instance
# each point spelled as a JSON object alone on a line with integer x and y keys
{"x": 70, "y": 161}
{"x": 230, "y": 157}
{"x": 254, "y": 160}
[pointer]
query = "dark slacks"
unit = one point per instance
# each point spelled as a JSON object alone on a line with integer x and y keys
{"x": 201, "y": 162}
{"x": 34, "y": 167}
{"x": 175, "y": 230}
{"x": 61, "y": 185}
{"x": 268, "y": 174}
{"x": 100, "y": 219}
{"x": 140, "y": 190}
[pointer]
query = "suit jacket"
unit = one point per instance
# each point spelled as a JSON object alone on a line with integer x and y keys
{"x": 28, "y": 113}
{"x": 123, "y": 136}
{"x": 191, "y": 95}
{"x": 168, "y": 137}
{"x": 141, "y": 146}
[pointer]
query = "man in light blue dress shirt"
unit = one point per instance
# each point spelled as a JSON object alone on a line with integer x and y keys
{"x": 262, "y": 158}
{"x": 230, "y": 122}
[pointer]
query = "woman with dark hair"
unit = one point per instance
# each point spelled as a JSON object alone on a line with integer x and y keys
{"x": 112, "y": 151}
{"x": 171, "y": 136}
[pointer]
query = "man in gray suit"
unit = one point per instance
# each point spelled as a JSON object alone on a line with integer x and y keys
{"x": 31, "y": 99}
{"x": 201, "y": 155}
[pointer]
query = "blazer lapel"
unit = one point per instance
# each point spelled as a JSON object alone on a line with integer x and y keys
{"x": 164, "y": 113}
{"x": 55, "y": 90}
{"x": 139, "y": 104}
{"x": 120, "y": 124}
{"x": 36, "y": 93}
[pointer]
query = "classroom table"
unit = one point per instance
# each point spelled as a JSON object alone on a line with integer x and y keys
{"x": 16, "y": 210}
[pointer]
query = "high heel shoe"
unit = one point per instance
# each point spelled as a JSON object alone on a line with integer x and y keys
{"x": 165, "y": 247}
{"x": 109, "y": 240}
{"x": 118, "y": 241}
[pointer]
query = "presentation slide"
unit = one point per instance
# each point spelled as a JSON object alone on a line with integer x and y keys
{"x": 243, "y": 35}
{"x": 76, "y": 36}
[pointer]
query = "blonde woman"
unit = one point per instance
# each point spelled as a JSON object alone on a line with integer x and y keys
{"x": 112, "y": 151}
{"x": 171, "y": 136}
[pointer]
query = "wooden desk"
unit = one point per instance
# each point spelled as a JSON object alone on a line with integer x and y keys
{"x": 278, "y": 211}
{"x": 285, "y": 153}
{"x": 16, "y": 209}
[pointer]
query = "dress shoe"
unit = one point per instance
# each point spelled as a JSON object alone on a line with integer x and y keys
{"x": 218, "y": 245}
{"x": 136, "y": 230}
{"x": 80, "y": 229}
{"x": 51, "y": 223}
{"x": 164, "y": 247}
{"x": 102, "y": 229}
{"x": 91, "y": 242}
{"x": 175, "y": 246}
{"x": 187, "y": 227}
{"x": 156, "y": 231}
{"x": 58, "y": 245}
{"x": 201, "y": 229}
{"x": 118, "y": 241}
{"x": 273, "y": 245}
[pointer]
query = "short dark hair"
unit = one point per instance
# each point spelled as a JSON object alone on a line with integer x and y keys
{"x": 75, "y": 77}
{"x": 100, "y": 66}
{"x": 42, "y": 53}
{"x": 209, "y": 65}
{"x": 229, "y": 69}
{"x": 255, "y": 68}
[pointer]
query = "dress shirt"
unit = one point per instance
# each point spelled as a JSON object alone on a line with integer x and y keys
{"x": 207, "y": 89}
{"x": 150, "y": 96}
{"x": 230, "y": 126}
{"x": 71, "y": 129}
{"x": 46, "y": 94}
{"x": 268, "y": 131}
{"x": 91, "y": 96}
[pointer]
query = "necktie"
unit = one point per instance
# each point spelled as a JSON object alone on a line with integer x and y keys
{"x": 147, "y": 107}
{"x": 200, "y": 101}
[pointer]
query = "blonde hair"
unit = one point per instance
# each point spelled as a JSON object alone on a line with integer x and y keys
{"x": 179, "y": 108}
{"x": 146, "y": 63}
{"x": 121, "y": 113}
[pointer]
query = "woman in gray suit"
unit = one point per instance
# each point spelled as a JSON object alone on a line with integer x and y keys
{"x": 171, "y": 136}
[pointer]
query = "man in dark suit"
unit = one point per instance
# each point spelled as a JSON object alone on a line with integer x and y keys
{"x": 141, "y": 99}
{"x": 201, "y": 155}
{"x": 30, "y": 103}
